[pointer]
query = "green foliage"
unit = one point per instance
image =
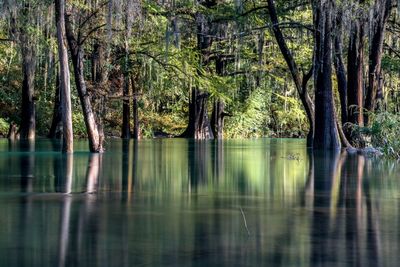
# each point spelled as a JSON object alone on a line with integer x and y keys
{"x": 391, "y": 64}
{"x": 79, "y": 125}
{"x": 384, "y": 133}
{"x": 249, "y": 119}
{"x": 3, "y": 127}
{"x": 289, "y": 121}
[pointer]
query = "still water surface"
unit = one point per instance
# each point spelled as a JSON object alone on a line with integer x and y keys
{"x": 184, "y": 203}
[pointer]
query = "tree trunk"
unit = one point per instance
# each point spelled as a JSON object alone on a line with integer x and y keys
{"x": 95, "y": 139}
{"x": 380, "y": 103}
{"x": 300, "y": 82}
{"x": 199, "y": 126}
{"x": 99, "y": 82}
{"x": 126, "y": 109}
{"x": 136, "y": 125}
{"x": 340, "y": 67}
{"x": 28, "y": 53}
{"x": 218, "y": 114}
{"x": 381, "y": 14}
{"x": 326, "y": 133}
{"x": 55, "y": 122}
{"x": 12, "y": 132}
{"x": 217, "y": 119}
{"x": 65, "y": 88}
{"x": 28, "y": 120}
{"x": 355, "y": 77}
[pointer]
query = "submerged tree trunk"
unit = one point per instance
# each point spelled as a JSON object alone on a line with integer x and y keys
{"x": 340, "y": 67}
{"x": 199, "y": 126}
{"x": 95, "y": 138}
{"x": 27, "y": 45}
{"x": 381, "y": 14}
{"x": 355, "y": 77}
{"x": 56, "y": 120}
{"x": 136, "y": 125}
{"x": 99, "y": 83}
{"x": 28, "y": 120}
{"x": 217, "y": 119}
{"x": 218, "y": 114}
{"x": 326, "y": 133}
{"x": 12, "y": 132}
{"x": 299, "y": 81}
{"x": 126, "y": 109}
{"x": 126, "y": 102}
{"x": 65, "y": 88}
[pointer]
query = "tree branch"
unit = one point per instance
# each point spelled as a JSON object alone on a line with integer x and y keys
{"x": 90, "y": 32}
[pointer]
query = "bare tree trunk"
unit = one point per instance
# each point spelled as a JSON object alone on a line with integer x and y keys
{"x": 381, "y": 14}
{"x": 326, "y": 133}
{"x": 28, "y": 120}
{"x": 340, "y": 67}
{"x": 65, "y": 88}
{"x": 199, "y": 126}
{"x": 217, "y": 119}
{"x": 56, "y": 120}
{"x": 218, "y": 114}
{"x": 28, "y": 113}
{"x": 99, "y": 81}
{"x": 355, "y": 77}
{"x": 126, "y": 109}
{"x": 12, "y": 132}
{"x": 95, "y": 139}
{"x": 136, "y": 125}
{"x": 299, "y": 81}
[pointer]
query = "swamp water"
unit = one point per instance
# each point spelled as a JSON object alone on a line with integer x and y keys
{"x": 265, "y": 202}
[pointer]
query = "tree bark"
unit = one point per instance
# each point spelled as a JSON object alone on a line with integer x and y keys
{"x": 381, "y": 14}
{"x": 217, "y": 119}
{"x": 136, "y": 125}
{"x": 299, "y": 81}
{"x": 326, "y": 133}
{"x": 355, "y": 77}
{"x": 340, "y": 67}
{"x": 199, "y": 126}
{"x": 28, "y": 112}
{"x": 126, "y": 109}
{"x": 65, "y": 88}
{"x": 77, "y": 55}
{"x": 56, "y": 120}
{"x": 218, "y": 114}
{"x": 12, "y": 132}
{"x": 99, "y": 83}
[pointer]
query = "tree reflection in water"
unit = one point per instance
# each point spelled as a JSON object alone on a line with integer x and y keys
{"x": 131, "y": 206}
{"x": 344, "y": 223}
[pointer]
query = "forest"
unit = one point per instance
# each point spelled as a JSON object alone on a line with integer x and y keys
{"x": 324, "y": 70}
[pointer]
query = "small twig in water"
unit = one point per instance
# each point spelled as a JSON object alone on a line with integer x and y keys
{"x": 245, "y": 222}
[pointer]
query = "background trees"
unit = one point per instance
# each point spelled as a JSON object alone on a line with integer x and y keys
{"x": 202, "y": 69}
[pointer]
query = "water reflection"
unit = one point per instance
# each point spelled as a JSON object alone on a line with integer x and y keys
{"x": 64, "y": 185}
{"x": 27, "y": 164}
{"x": 344, "y": 223}
{"x": 179, "y": 203}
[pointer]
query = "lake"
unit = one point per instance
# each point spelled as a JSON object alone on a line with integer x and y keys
{"x": 178, "y": 202}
